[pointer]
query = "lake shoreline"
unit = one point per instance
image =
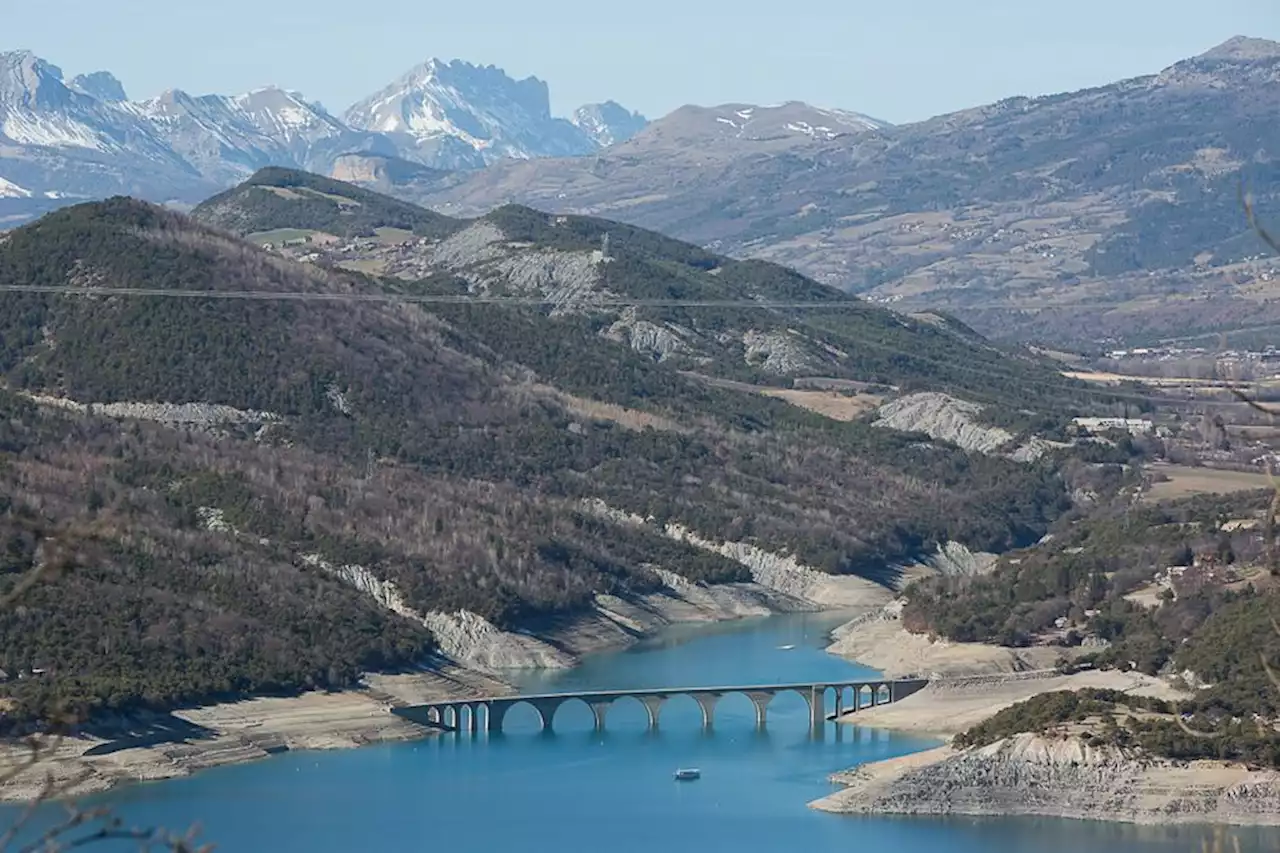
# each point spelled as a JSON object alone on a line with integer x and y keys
{"x": 1050, "y": 776}
{"x": 156, "y": 747}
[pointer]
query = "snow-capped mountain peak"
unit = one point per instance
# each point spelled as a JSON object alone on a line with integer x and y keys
{"x": 229, "y": 137}
{"x": 28, "y": 82}
{"x": 608, "y": 123}
{"x": 455, "y": 114}
{"x": 38, "y": 108}
{"x": 82, "y": 137}
{"x": 102, "y": 85}
{"x": 284, "y": 113}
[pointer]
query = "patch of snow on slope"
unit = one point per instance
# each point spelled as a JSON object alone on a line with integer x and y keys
{"x": 8, "y": 189}
{"x": 51, "y": 132}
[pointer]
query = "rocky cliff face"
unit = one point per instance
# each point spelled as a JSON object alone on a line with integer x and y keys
{"x": 456, "y": 115}
{"x": 608, "y": 123}
{"x": 781, "y": 574}
{"x": 946, "y": 418}
{"x": 1059, "y": 776}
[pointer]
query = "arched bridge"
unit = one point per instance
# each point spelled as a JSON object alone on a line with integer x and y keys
{"x": 465, "y": 714}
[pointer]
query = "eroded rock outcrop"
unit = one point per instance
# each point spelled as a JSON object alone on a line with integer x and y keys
{"x": 945, "y": 418}
{"x": 176, "y": 414}
{"x": 464, "y": 636}
{"x": 1059, "y": 775}
{"x": 780, "y": 573}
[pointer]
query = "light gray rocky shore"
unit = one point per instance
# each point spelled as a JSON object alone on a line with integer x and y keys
{"x": 1045, "y": 775}
{"x": 1055, "y": 775}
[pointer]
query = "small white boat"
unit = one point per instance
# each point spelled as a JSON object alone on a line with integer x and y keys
{"x": 787, "y": 648}
{"x": 686, "y": 775}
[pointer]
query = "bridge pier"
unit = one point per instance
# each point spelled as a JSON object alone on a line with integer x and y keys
{"x": 497, "y": 712}
{"x": 653, "y": 707}
{"x": 761, "y": 701}
{"x": 817, "y": 707}
{"x": 707, "y": 702}
{"x": 546, "y": 709}
{"x": 599, "y": 709}
{"x": 474, "y": 724}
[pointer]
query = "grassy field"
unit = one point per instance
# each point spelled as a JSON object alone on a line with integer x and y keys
{"x": 391, "y": 236}
{"x": 368, "y": 266}
{"x": 294, "y": 194}
{"x": 1184, "y": 480}
{"x": 279, "y": 236}
{"x": 1156, "y": 381}
{"x": 829, "y": 404}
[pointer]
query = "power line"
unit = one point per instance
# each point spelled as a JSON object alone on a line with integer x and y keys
{"x": 988, "y": 371}
{"x": 430, "y": 298}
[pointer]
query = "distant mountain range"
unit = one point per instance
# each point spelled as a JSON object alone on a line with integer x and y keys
{"x": 1082, "y": 219}
{"x": 80, "y": 138}
{"x": 1108, "y": 214}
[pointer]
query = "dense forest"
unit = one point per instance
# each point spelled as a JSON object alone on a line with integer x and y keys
{"x": 175, "y": 562}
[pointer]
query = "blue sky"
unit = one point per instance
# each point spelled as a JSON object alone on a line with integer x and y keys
{"x": 900, "y": 60}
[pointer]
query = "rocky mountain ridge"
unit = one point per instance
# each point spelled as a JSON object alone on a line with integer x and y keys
{"x": 460, "y": 116}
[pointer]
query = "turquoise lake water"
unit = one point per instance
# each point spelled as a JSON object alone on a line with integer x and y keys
{"x": 577, "y": 789}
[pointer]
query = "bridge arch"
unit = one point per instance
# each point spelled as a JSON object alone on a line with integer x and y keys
{"x": 636, "y": 709}
{"x": 597, "y": 707}
{"x": 682, "y": 705}
{"x": 740, "y": 704}
{"x": 542, "y": 711}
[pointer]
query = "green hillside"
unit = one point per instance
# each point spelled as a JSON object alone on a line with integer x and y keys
{"x": 834, "y": 336}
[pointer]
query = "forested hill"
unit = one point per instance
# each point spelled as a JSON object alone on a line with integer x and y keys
{"x": 212, "y": 484}
{"x": 515, "y": 251}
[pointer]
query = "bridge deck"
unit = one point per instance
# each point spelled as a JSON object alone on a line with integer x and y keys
{"x": 803, "y": 687}
{"x": 449, "y": 713}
